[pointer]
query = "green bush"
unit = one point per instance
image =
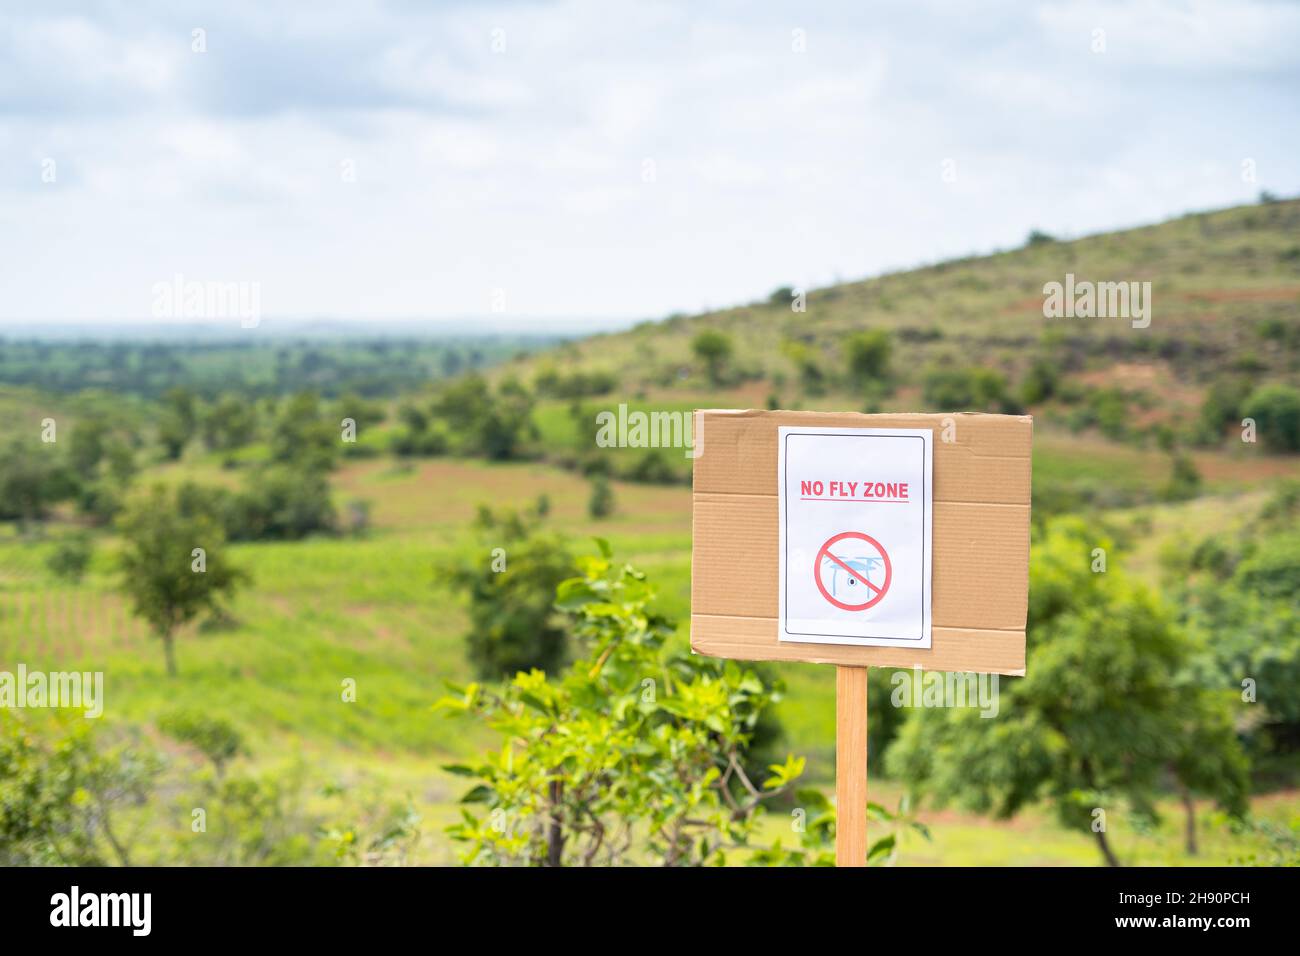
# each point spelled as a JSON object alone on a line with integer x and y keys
{"x": 1040, "y": 381}
{"x": 714, "y": 349}
{"x": 513, "y": 622}
{"x": 1110, "y": 710}
{"x": 214, "y": 737}
{"x": 971, "y": 388}
{"x": 635, "y": 754}
{"x": 868, "y": 356}
{"x": 601, "y": 502}
{"x": 497, "y": 426}
{"x": 1276, "y": 411}
{"x": 1184, "y": 480}
{"x": 62, "y": 796}
{"x": 71, "y": 556}
{"x": 653, "y": 467}
{"x": 33, "y": 476}
{"x": 281, "y": 503}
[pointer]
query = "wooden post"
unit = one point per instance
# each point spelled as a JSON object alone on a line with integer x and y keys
{"x": 850, "y": 766}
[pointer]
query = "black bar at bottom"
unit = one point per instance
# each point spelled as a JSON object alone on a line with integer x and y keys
{"x": 334, "y": 906}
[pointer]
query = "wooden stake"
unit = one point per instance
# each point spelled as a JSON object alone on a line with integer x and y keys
{"x": 850, "y": 766}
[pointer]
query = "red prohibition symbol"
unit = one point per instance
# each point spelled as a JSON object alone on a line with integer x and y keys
{"x": 854, "y": 576}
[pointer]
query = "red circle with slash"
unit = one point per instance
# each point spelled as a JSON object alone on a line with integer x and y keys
{"x": 825, "y": 552}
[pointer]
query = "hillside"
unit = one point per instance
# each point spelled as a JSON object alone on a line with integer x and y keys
{"x": 1225, "y": 290}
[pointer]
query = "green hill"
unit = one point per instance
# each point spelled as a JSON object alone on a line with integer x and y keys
{"x": 1225, "y": 289}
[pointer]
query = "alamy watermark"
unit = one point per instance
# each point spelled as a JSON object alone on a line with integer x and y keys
{"x": 918, "y": 688}
{"x": 79, "y": 690}
{"x": 192, "y": 299}
{"x": 130, "y": 910}
{"x": 1101, "y": 300}
{"x": 638, "y": 429}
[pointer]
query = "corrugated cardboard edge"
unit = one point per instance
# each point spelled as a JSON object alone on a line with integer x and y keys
{"x": 1001, "y": 651}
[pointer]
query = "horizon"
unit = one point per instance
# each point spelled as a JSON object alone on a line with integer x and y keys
{"x": 223, "y": 331}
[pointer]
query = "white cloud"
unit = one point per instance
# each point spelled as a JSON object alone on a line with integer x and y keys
{"x": 523, "y": 169}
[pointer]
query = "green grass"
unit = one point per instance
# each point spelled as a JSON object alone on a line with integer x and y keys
{"x": 324, "y": 610}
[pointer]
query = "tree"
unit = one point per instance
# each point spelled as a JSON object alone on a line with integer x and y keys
{"x": 229, "y": 424}
{"x": 1040, "y": 381}
{"x": 71, "y": 556}
{"x": 1102, "y": 718}
{"x": 811, "y": 377}
{"x": 417, "y": 434}
{"x": 33, "y": 476}
{"x": 513, "y": 622}
{"x": 1276, "y": 411}
{"x": 166, "y": 581}
{"x": 496, "y": 426}
{"x": 508, "y": 423}
{"x": 781, "y": 295}
{"x": 601, "y": 503}
{"x": 968, "y": 388}
{"x": 283, "y": 502}
{"x": 60, "y": 799}
{"x": 638, "y": 748}
{"x": 714, "y": 349}
{"x": 1209, "y": 759}
{"x": 86, "y": 446}
{"x": 1220, "y": 408}
{"x": 214, "y": 737}
{"x": 303, "y": 437}
{"x": 1237, "y": 597}
{"x": 869, "y": 354}
{"x": 178, "y": 422}
{"x": 1184, "y": 479}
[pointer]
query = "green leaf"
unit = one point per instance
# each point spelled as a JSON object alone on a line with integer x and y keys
{"x": 480, "y": 794}
{"x": 881, "y": 848}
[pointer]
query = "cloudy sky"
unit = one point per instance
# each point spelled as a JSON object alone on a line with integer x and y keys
{"x": 603, "y": 160}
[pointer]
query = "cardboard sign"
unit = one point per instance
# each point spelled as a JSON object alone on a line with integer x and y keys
{"x": 978, "y": 494}
{"x": 855, "y": 529}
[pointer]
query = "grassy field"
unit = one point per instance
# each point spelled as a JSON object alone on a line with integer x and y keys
{"x": 372, "y": 610}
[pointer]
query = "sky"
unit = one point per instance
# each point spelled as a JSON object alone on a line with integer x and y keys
{"x": 602, "y": 162}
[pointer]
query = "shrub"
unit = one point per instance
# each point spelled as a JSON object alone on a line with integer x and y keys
{"x": 868, "y": 354}
{"x": 601, "y": 502}
{"x": 1220, "y": 408}
{"x": 1040, "y": 381}
{"x": 714, "y": 349}
{"x": 495, "y": 426}
{"x": 214, "y": 737}
{"x": 284, "y": 503}
{"x": 1111, "y": 410}
{"x": 514, "y": 626}
{"x": 967, "y": 389}
{"x": 1276, "y": 411}
{"x": 635, "y": 754}
{"x": 811, "y": 377}
{"x": 1184, "y": 480}
{"x": 303, "y": 435}
{"x": 32, "y": 477}
{"x": 654, "y": 468}
{"x": 70, "y": 557}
